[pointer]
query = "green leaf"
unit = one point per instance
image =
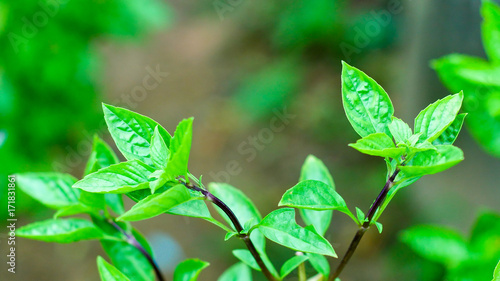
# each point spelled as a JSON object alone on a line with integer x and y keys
{"x": 101, "y": 156}
{"x": 119, "y": 178}
{"x": 314, "y": 169}
{"x": 378, "y": 144}
{"x": 115, "y": 202}
{"x": 485, "y": 234}
{"x": 400, "y": 130}
{"x": 60, "y": 230}
{"x": 379, "y": 226}
{"x": 237, "y": 201}
{"x": 237, "y": 272}
{"x": 129, "y": 260}
{"x": 108, "y": 272}
{"x": 437, "y": 244}
{"x": 435, "y": 118}
{"x": 159, "y": 150}
{"x": 366, "y": 104}
{"x": 490, "y": 29}
{"x": 132, "y": 132}
{"x": 196, "y": 209}
{"x": 291, "y": 264}
{"x": 496, "y": 273}
{"x": 451, "y": 133}
{"x": 314, "y": 195}
{"x": 433, "y": 161}
{"x": 360, "y": 215}
{"x": 180, "y": 148}
{"x": 51, "y": 189}
{"x": 280, "y": 227}
{"x": 188, "y": 270}
{"x": 319, "y": 263}
{"x": 157, "y": 204}
{"x": 75, "y": 209}
{"x": 246, "y": 257}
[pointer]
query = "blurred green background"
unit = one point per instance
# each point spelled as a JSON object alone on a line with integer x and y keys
{"x": 235, "y": 66}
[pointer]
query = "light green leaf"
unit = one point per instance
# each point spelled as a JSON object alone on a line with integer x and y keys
{"x": 157, "y": 204}
{"x": 159, "y": 150}
{"x": 400, "y": 130}
{"x": 496, "y": 273}
{"x": 291, "y": 264}
{"x": 379, "y": 226}
{"x": 51, "y": 189}
{"x": 101, "y": 156}
{"x": 119, "y": 178}
{"x": 115, "y": 202}
{"x": 314, "y": 195}
{"x": 437, "y": 244}
{"x": 367, "y": 105}
{"x": 246, "y": 257}
{"x": 319, "y": 263}
{"x": 378, "y": 144}
{"x": 196, "y": 209}
{"x": 360, "y": 215}
{"x": 485, "y": 234}
{"x": 188, "y": 270}
{"x": 75, "y": 209}
{"x": 433, "y": 161}
{"x": 180, "y": 148}
{"x": 60, "y": 230}
{"x": 314, "y": 169}
{"x": 490, "y": 29}
{"x": 451, "y": 133}
{"x": 435, "y": 118}
{"x": 108, "y": 272}
{"x": 132, "y": 132}
{"x": 237, "y": 272}
{"x": 280, "y": 227}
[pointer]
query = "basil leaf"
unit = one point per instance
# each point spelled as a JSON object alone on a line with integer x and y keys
{"x": 60, "y": 230}
{"x": 433, "y": 161}
{"x": 400, "y": 130}
{"x": 366, "y": 104}
{"x": 108, "y": 272}
{"x": 490, "y": 30}
{"x": 378, "y": 144}
{"x": 159, "y": 150}
{"x": 237, "y": 272}
{"x": 188, "y": 270}
{"x": 291, "y": 264}
{"x": 51, "y": 189}
{"x": 451, "y": 133}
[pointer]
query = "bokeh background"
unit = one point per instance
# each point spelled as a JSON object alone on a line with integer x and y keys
{"x": 234, "y": 65}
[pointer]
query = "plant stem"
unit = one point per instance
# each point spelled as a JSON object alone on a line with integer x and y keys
{"x": 132, "y": 241}
{"x": 237, "y": 226}
{"x": 363, "y": 228}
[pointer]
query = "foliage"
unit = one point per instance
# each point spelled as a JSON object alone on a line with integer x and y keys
{"x": 478, "y": 79}
{"x": 156, "y": 176}
{"x": 464, "y": 259}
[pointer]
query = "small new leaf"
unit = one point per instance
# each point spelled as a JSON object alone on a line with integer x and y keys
{"x": 159, "y": 150}
{"x": 433, "y": 161}
{"x": 400, "y": 130}
{"x": 378, "y": 144}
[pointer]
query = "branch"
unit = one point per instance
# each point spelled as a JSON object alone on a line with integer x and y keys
{"x": 132, "y": 241}
{"x": 363, "y": 228}
{"x": 237, "y": 226}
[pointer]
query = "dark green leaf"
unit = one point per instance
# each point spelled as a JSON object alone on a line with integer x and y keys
{"x": 159, "y": 150}
{"x": 314, "y": 195}
{"x": 60, "y": 230}
{"x": 101, "y": 156}
{"x": 378, "y": 144}
{"x": 319, "y": 263}
{"x": 119, "y": 178}
{"x": 433, "y": 161}
{"x": 188, "y": 270}
{"x": 491, "y": 29}
{"x": 291, "y": 264}
{"x": 51, "y": 189}
{"x": 280, "y": 226}
{"x": 157, "y": 204}
{"x": 314, "y": 169}
{"x": 108, "y": 272}
{"x": 237, "y": 272}
{"x": 132, "y": 132}
{"x": 435, "y": 118}
{"x": 437, "y": 244}
{"x": 246, "y": 257}
{"x": 367, "y": 105}
{"x": 400, "y": 130}
{"x": 451, "y": 133}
